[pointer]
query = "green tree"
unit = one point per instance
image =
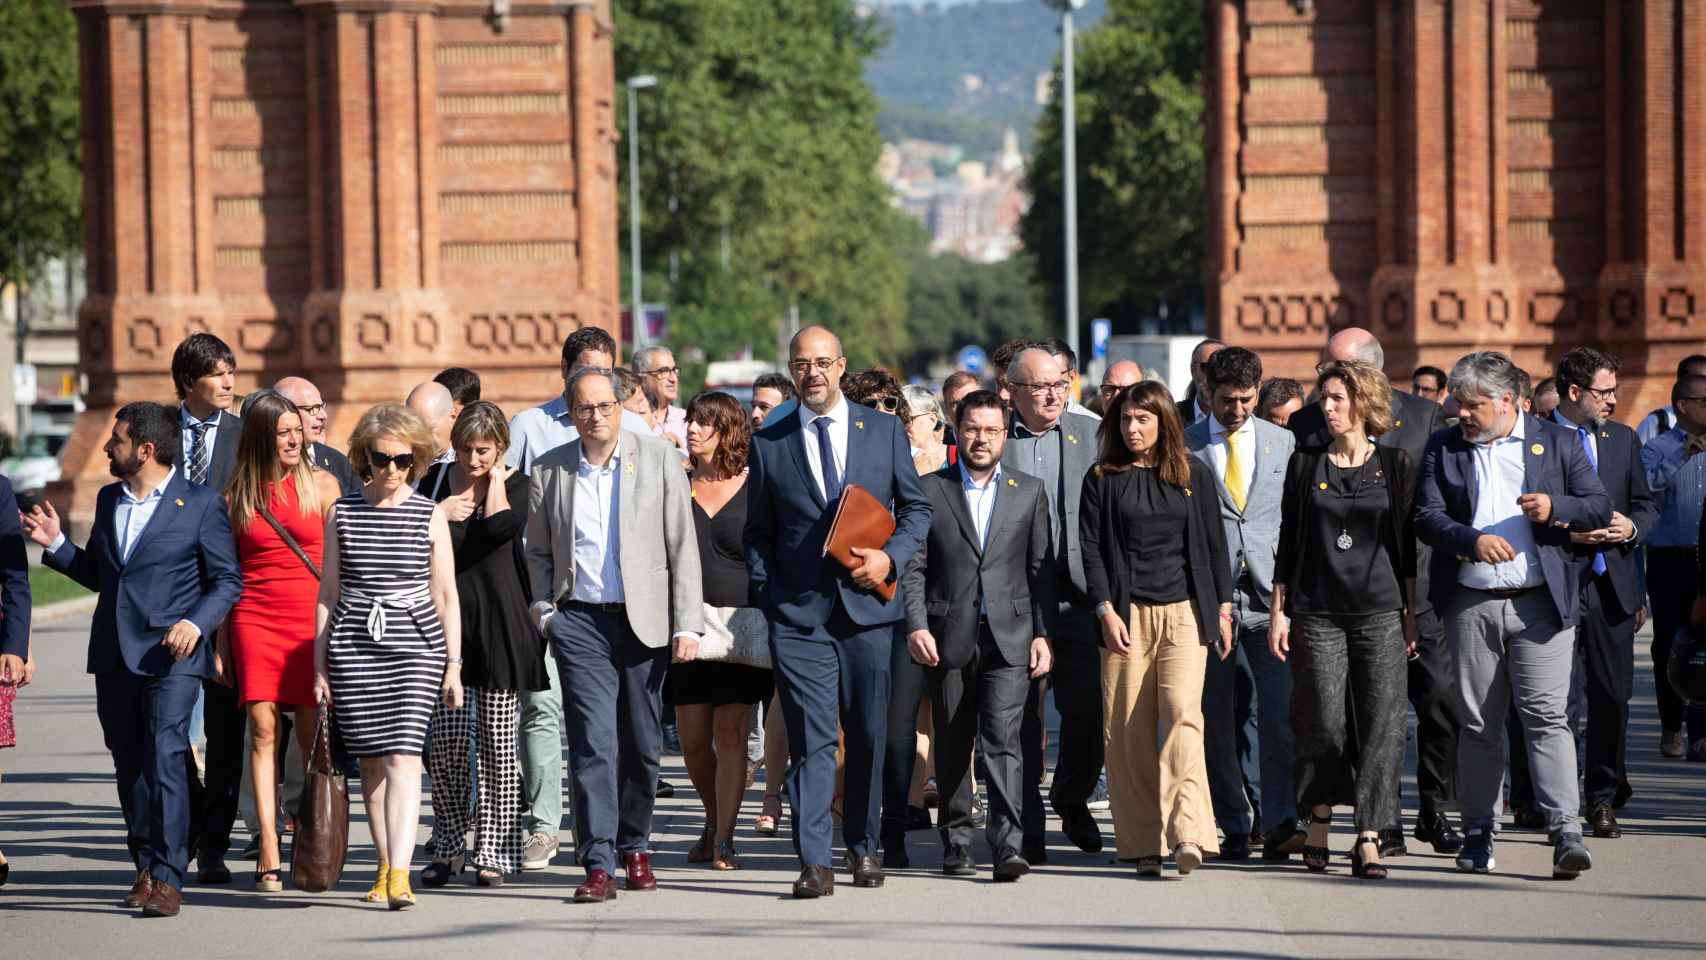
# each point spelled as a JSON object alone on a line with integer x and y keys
{"x": 1140, "y": 166}
{"x": 952, "y": 302}
{"x": 41, "y": 202}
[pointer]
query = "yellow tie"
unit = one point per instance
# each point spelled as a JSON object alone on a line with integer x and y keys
{"x": 1234, "y": 474}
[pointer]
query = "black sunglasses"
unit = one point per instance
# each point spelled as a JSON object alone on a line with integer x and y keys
{"x": 404, "y": 461}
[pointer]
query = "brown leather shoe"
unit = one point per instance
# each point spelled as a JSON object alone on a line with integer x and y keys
{"x": 1604, "y": 822}
{"x": 867, "y": 871}
{"x": 139, "y": 890}
{"x": 814, "y": 882}
{"x": 163, "y": 901}
{"x": 638, "y": 866}
{"x": 599, "y": 887}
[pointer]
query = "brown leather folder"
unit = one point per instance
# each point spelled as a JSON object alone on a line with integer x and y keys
{"x": 860, "y": 521}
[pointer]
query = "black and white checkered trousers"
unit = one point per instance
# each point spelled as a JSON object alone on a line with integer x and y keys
{"x": 498, "y": 843}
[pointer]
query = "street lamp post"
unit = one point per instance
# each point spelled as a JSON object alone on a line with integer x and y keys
{"x": 635, "y": 85}
{"x": 1069, "y": 162}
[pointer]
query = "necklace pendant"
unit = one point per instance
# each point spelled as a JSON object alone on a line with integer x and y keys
{"x": 1344, "y": 542}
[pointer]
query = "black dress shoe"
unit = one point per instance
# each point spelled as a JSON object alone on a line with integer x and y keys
{"x": 867, "y": 872}
{"x": 1283, "y": 841}
{"x": 1036, "y": 853}
{"x": 665, "y": 789}
{"x": 894, "y": 848}
{"x": 1236, "y": 846}
{"x": 1604, "y": 822}
{"x": 1436, "y": 829}
{"x": 1080, "y": 827}
{"x": 1009, "y": 866}
{"x": 917, "y": 818}
{"x": 957, "y": 861}
{"x": 814, "y": 882}
{"x": 212, "y": 870}
{"x": 1525, "y": 819}
{"x": 1624, "y": 792}
{"x": 1392, "y": 843}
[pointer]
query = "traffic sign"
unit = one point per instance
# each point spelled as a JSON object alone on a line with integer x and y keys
{"x": 972, "y": 359}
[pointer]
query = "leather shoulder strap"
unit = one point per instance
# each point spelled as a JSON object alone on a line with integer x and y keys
{"x": 289, "y": 541}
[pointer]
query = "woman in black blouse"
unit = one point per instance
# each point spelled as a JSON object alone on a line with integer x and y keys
{"x": 486, "y": 505}
{"x": 713, "y": 695}
{"x": 1345, "y": 575}
{"x": 1156, "y": 565}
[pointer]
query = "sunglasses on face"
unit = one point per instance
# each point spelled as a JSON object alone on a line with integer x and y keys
{"x": 886, "y": 404}
{"x": 403, "y": 461}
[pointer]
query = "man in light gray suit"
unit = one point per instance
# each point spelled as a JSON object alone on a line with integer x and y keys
{"x": 1249, "y": 457}
{"x": 1058, "y": 447}
{"x": 614, "y": 565}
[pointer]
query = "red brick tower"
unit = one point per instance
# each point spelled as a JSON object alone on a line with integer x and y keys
{"x": 1514, "y": 174}
{"x": 358, "y": 191}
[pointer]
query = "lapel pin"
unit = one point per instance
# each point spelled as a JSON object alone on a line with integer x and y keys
{"x": 628, "y": 468}
{"x": 1537, "y": 449}
{"x": 179, "y": 502}
{"x": 859, "y": 423}
{"x": 1323, "y": 484}
{"x": 1397, "y": 423}
{"x": 1604, "y": 435}
{"x": 1012, "y": 482}
{"x": 1071, "y": 438}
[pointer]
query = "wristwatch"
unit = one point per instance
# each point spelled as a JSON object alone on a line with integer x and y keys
{"x": 455, "y": 660}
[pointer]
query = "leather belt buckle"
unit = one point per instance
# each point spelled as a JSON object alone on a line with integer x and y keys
{"x": 1509, "y": 594}
{"x": 598, "y": 607}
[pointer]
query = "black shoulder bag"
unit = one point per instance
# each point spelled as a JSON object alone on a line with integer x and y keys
{"x": 289, "y": 541}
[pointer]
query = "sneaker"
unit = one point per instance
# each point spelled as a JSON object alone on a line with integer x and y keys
{"x": 1477, "y": 853}
{"x": 1099, "y": 796}
{"x": 538, "y": 852}
{"x": 1570, "y": 857}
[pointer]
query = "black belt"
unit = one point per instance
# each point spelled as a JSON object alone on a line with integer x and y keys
{"x": 593, "y": 607}
{"x": 1506, "y": 594}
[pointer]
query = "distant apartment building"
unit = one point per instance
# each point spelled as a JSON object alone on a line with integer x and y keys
{"x": 970, "y": 207}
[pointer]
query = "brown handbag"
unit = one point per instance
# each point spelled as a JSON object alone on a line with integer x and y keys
{"x": 860, "y": 521}
{"x": 322, "y": 821}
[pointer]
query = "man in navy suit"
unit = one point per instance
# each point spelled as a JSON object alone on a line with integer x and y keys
{"x": 830, "y": 634}
{"x": 162, "y": 557}
{"x": 1497, "y": 500}
{"x": 1613, "y": 606}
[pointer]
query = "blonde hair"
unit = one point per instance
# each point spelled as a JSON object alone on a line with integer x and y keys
{"x": 258, "y": 465}
{"x": 1369, "y": 390}
{"x": 480, "y": 420}
{"x": 396, "y": 422}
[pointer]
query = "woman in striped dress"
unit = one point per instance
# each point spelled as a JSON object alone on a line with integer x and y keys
{"x": 389, "y": 634}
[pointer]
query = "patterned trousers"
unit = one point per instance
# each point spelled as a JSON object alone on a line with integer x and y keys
{"x": 498, "y": 845}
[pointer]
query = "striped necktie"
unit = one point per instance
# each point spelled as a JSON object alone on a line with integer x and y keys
{"x": 200, "y": 456}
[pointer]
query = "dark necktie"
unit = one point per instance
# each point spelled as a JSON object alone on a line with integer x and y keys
{"x": 826, "y": 455}
{"x": 1593, "y": 461}
{"x": 200, "y": 455}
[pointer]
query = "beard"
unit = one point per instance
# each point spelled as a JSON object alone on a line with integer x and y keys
{"x": 124, "y": 469}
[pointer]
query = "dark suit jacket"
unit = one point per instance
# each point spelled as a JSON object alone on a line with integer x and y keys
{"x": 1298, "y": 513}
{"x": 330, "y": 460}
{"x": 14, "y": 577}
{"x": 787, "y": 519}
{"x": 1078, "y": 454}
{"x": 1414, "y": 421}
{"x": 1553, "y": 464}
{"x": 224, "y": 461}
{"x": 1010, "y": 572}
{"x": 184, "y": 567}
{"x": 1626, "y": 485}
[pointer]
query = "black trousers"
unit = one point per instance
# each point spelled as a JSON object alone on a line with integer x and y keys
{"x": 1077, "y": 683}
{"x": 213, "y": 799}
{"x": 980, "y": 703}
{"x": 1671, "y": 587}
{"x": 1430, "y": 675}
{"x": 1602, "y": 683}
{"x": 907, "y": 689}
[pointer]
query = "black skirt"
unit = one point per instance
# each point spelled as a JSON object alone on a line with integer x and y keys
{"x": 715, "y": 682}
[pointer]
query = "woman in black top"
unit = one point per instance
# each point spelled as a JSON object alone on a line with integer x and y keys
{"x": 1157, "y": 569}
{"x": 1346, "y": 576}
{"x": 486, "y": 506}
{"x": 713, "y": 696}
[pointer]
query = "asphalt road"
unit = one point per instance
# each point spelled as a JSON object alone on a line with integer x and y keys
{"x": 61, "y": 829}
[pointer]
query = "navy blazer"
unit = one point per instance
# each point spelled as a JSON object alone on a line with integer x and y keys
{"x": 14, "y": 577}
{"x": 225, "y": 439}
{"x": 787, "y": 519}
{"x": 1625, "y": 485}
{"x": 184, "y": 567}
{"x": 1553, "y": 464}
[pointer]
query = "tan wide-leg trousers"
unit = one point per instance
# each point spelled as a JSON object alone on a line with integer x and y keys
{"x": 1152, "y": 724}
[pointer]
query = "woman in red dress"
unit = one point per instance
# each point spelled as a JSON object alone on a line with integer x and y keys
{"x": 271, "y": 629}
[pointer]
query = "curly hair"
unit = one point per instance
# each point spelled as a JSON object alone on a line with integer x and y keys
{"x": 723, "y": 414}
{"x": 868, "y": 386}
{"x": 1369, "y": 391}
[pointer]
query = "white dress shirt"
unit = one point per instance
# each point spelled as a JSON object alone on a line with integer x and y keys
{"x": 1498, "y": 479}
{"x": 537, "y": 431}
{"x": 598, "y": 558}
{"x": 1244, "y": 438}
{"x": 838, "y": 416}
{"x": 980, "y": 500}
{"x": 186, "y": 421}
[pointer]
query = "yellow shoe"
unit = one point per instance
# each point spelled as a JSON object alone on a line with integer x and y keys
{"x": 397, "y": 892}
{"x": 376, "y": 893}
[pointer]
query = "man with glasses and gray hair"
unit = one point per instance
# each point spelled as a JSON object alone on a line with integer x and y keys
{"x": 1497, "y": 499}
{"x": 1058, "y": 447}
{"x": 656, "y": 364}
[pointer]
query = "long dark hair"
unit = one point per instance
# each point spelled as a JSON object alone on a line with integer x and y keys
{"x": 257, "y": 462}
{"x": 723, "y": 413}
{"x": 1172, "y": 463}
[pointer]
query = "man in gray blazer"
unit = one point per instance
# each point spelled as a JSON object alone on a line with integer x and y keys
{"x": 1249, "y": 457}
{"x": 1058, "y": 447}
{"x": 614, "y": 565}
{"x": 974, "y": 616}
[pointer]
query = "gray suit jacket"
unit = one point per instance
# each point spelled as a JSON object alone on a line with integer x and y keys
{"x": 1252, "y": 535}
{"x": 1078, "y": 454}
{"x": 659, "y": 551}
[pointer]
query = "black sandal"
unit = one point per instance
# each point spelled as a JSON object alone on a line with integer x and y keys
{"x": 269, "y": 881}
{"x": 1315, "y": 858}
{"x": 489, "y": 877}
{"x": 1367, "y": 869}
{"x": 440, "y": 870}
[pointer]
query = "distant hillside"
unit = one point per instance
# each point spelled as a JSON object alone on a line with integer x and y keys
{"x": 921, "y": 74}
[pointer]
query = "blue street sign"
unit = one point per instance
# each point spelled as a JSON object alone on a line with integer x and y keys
{"x": 972, "y": 359}
{"x": 1101, "y": 329}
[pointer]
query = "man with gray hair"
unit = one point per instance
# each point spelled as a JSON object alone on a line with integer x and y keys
{"x": 656, "y": 366}
{"x": 1497, "y": 499}
{"x": 306, "y": 396}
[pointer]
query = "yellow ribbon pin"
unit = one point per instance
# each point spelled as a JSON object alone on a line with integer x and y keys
{"x": 859, "y": 423}
{"x": 1323, "y": 484}
{"x": 179, "y": 502}
{"x": 1397, "y": 423}
{"x": 1012, "y": 482}
{"x": 1537, "y": 449}
{"x": 1071, "y": 438}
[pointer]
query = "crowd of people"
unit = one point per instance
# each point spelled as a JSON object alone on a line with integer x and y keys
{"x": 1231, "y": 599}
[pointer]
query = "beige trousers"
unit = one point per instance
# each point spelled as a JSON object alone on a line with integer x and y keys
{"x": 1152, "y": 725}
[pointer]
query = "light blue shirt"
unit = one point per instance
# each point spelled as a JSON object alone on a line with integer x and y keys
{"x": 1498, "y": 477}
{"x": 980, "y": 501}
{"x": 537, "y": 431}
{"x": 1679, "y": 485}
{"x": 1649, "y": 426}
{"x": 598, "y": 566}
{"x": 186, "y": 424}
{"x": 131, "y": 516}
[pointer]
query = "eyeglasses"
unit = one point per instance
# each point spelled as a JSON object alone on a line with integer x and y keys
{"x": 1109, "y": 389}
{"x": 403, "y": 461}
{"x": 989, "y": 433}
{"x": 664, "y": 372}
{"x": 886, "y": 404}
{"x": 1691, "y": 399}
{"x": 1042, "y": 389}
{"x": 313, "y": 410}
{"x": 804, "y": 366}
{"x": 586, "y": 411}
{"x": 1608, "y": 393}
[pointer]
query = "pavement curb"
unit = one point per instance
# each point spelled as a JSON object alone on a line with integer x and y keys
{"x": 65, "y": 609}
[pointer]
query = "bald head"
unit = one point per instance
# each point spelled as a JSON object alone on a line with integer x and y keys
{"x": 306, "y": 396}
{"x": 1355, "y": 343}
{"x": 433, "y": 402}
{"x": 1119, "y": 375}
{"x": 816, "y": 364}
